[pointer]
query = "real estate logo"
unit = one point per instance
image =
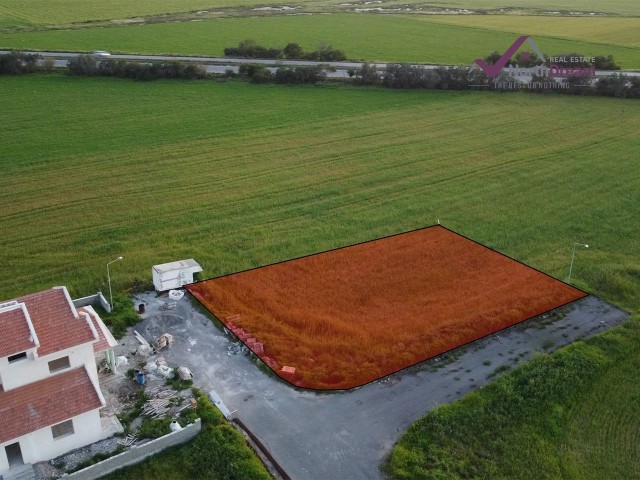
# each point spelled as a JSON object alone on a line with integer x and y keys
{"x": 554, "y": 68}
{"x": 495, "y": 69}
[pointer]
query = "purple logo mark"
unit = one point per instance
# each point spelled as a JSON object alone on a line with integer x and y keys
{"x": 495, "y": 69}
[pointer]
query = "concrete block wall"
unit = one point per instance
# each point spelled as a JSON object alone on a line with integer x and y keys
{"x": 136, "y": 453}
{"x": 96, "y": 299}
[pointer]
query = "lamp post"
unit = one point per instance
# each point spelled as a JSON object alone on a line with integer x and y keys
{"x": 109, "y": 279}
{"x": 572, "y": 257}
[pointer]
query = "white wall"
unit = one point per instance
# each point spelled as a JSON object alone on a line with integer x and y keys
{"x": 40, "y": 445}
{"x": 31, "y": 370}
{"x": 4, "y": 461}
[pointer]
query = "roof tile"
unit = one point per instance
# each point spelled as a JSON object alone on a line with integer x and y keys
{"x": 54, "y": 321}
{"x": 15, "y": 335}
{"x": 46, "y": 402}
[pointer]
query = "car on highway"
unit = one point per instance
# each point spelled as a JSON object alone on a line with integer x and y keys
{"x": 101, "y": 53}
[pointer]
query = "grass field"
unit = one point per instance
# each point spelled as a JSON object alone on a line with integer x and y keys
{"x": 14, "y": 13}
{"x": 570, "y": 415}
{"x": 350, "y": 316}
{"x": 370, "y": 37}
{"x": 621, "y": 7}
{"x": 608, "y": 31}
{"x": 237, "y": 176}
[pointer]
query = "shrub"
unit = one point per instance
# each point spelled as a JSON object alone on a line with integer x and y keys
{"x": 88, "y": 65}
{"x": 256, "y": 73}
{"x": 154, "y": 427}
{"x": 249, "y": 49}
{"x": 367, "y": 75}
{"x": 85, "y": 65}
{"x": 16, "y": 63}
{"x": 179, "y": 385}
{"x": 300, "y": 74}
{"x": 605, "y": 63}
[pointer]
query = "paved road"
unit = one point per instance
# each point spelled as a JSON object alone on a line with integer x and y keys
{"x": 345, "y": 436}
{"x": 223, "y": 69}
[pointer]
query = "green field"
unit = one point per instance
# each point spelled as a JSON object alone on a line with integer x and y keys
{"x": 16, "y": 13}
{"x": 608, "y": 31}
{"x": 237, "y": 175}
{"x": 371, "y": 37}
{"x": 570, "y": 415}
{"x": 620, "y": 7}
{"x": 19, "y": 14}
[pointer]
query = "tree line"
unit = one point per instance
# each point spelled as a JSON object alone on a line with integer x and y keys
{"x": 292, "y": 51}
{"x": 395, "y": 75}
{"x": 89, "y": 65}
{"x": 286, "y": 74}
{"x": 405, "y": 76}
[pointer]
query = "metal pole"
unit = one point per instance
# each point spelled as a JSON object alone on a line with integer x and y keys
{"x": 109, "y": 280}
{"x": 573, "y": 254}
{"x": 111, "y": 295}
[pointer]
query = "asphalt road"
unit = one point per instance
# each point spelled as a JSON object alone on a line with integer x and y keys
{"x": 345, "y": 436}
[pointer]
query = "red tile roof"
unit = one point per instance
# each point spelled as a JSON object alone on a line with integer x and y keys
{"x": 55, "y": 321}
{"x": 16, "y": 336}
{"x": 46, "y": 402}
{"x": 105, "y": 339}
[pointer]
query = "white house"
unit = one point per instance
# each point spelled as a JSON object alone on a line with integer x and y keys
{"x": 49, "y": 392}
{"x": 172, "y": 275}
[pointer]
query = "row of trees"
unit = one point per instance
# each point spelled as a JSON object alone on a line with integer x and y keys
{"x": 16, "y": 63}
{"x": 397, "y": 75}
{"x": 405, "y": 76}
{"x": 285, "y": 74}
{"x": 88, "y": 65}
{"x": 400, "y": 76}
{"x": 292, "y": 51}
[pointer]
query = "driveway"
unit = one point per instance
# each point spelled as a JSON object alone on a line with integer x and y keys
{"x": 346, "y": 435}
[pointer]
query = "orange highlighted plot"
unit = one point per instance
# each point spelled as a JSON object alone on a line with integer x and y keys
{"x": 346, "y": 317}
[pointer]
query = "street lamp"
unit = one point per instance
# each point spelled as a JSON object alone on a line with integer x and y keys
{"x": 573, "y": 256}
{"x": 109, "y": 279}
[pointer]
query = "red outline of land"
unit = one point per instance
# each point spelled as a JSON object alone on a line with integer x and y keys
{"x": 344, "y": 318}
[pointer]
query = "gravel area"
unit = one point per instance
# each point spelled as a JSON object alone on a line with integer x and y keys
{"x": 56, "y": 467}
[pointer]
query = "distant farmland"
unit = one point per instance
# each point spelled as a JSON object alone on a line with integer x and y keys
{"x": 346, "y": 317}
{"x": 396, "y": 38}
{"x": 16, "y": 13}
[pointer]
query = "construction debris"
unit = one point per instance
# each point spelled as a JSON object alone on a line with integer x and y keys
{"x": 176, "y": 294}
{"x": 184, "y": 373}
{"x": 141, "y": 339}
{"x": 156, "y": 407}
{"x": 164, "y": 341}
{"x": 151, "y": 367}
{"x": 128, "y": 440}
{"x": 160, "y": 402}
{"x": 143, "y": 351}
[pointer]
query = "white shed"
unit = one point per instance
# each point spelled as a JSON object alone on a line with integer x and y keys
{"x": 174, "y": 274}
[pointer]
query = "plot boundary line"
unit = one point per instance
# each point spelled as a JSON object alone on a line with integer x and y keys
{"x": 444, "y": 352}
